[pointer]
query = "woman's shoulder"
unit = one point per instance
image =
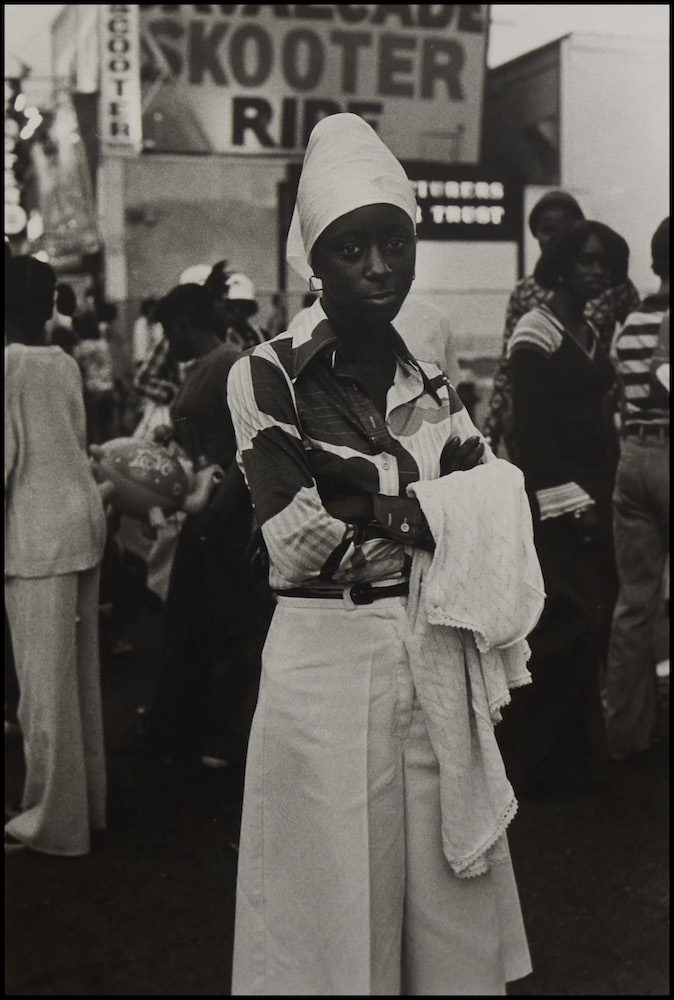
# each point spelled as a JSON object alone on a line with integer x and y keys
{"x": 255, "y": 367}
{"x": 32, "y": 358}
{"x": 40, "y": 371}
{"x": 539, "y": 330}
{"x": 272, "y": 350}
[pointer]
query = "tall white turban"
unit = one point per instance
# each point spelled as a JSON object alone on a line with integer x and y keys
{"x": 346, "y": 166}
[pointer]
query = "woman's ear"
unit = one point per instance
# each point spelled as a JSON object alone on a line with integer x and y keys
{"x": 315, "y": 266}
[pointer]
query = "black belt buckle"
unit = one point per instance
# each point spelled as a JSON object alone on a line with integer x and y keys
{"x": 361, "y": 593}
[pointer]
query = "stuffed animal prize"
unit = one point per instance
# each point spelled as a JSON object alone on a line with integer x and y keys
{"x": 148, "y": 482}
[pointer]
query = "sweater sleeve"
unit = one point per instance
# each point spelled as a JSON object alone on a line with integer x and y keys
{"x": 546, "y": 471}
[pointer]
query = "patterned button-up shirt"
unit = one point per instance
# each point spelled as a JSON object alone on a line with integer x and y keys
{"x": 307, "y": 433}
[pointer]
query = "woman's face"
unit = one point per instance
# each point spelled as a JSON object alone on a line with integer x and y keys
{"x": 550, "y": 223}
{"x": 590, "y": 274}
{"x": 365, "y": 260}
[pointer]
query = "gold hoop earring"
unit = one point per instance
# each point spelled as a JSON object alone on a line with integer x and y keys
{"x": 315, "y": 284}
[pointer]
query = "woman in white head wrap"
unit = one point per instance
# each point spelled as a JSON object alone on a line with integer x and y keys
{"x": 343, "y": 888}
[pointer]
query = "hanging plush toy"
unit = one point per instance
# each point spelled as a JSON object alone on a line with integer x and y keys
{"x": 149, "y": 482}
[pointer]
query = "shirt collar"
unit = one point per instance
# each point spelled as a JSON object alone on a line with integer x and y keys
{"x": 314, "y": 335}
{"x": 311, "y": 335}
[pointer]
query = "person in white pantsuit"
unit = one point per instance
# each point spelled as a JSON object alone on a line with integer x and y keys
{"x": 54, "y": 538}
{"x": 359, "y": 874}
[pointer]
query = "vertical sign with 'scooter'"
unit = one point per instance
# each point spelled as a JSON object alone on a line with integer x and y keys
{"x": 120, "y": 122}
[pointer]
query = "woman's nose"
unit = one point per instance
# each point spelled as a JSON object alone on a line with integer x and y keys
{"x": 376, "y": 262}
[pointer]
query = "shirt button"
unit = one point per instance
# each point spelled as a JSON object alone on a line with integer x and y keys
{"x": 386, "y": 465}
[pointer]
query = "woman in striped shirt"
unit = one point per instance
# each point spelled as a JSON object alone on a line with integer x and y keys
{"x": 562, "y": 382}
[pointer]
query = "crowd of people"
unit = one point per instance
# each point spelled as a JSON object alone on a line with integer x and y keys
{"x": 397, "y": 620}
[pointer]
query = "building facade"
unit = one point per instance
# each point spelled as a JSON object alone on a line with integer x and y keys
{"x": 203, "y": 112}
{"x": 589, "y": 114}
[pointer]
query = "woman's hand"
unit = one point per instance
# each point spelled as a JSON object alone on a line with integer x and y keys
{"x": 587, "y": 524}
{"x": 458, "y": 457}
{"x": 163, "y": 434}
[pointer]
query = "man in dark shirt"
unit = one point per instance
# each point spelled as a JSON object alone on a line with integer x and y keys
{"x": 214, "y": 621}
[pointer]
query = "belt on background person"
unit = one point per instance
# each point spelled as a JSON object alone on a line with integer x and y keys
{"x": 358, "y": 593}
{"x": 660, "y": 431}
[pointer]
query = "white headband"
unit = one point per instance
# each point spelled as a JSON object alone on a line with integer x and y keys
{"x": 346, "y": 166}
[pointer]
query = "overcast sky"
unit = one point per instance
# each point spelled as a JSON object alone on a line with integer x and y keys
{"x": 516, "y": 28}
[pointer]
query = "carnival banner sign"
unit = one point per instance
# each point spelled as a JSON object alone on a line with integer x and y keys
{"x": 120, "y": 122}
{"x": 255, "y": 78}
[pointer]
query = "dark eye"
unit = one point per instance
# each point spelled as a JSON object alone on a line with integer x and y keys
{"x": 350, "y": 249}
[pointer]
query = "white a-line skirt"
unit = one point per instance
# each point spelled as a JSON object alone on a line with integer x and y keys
{"x": 343, "y": 889}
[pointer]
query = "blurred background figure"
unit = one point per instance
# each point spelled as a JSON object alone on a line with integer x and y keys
{"x": 195, "y": 274}
{"x": 640, "y": 514}
{"x": 88, "y": 317}
{"x": 660, "y": 363}
{"x": 54, "y": 537}
{"x": 123, "y": 593}
{"x": 125, "y": 410}
{"x": 555, "y": 211}
{"x": 277, "y": 321}
{"x": 427, "y": 332}
{"x": 553, "y": 733}
{"x": 236, "y": 304}
{"x": 240, "y": 306}
{"x": 156, "y": 383}
{"x": 216, "y": 285}
{"x": 60, "y": 328}
{"x": 94, "y": 357}
{"x": 213, "y": 626}
{"x": 146, "y": 333}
